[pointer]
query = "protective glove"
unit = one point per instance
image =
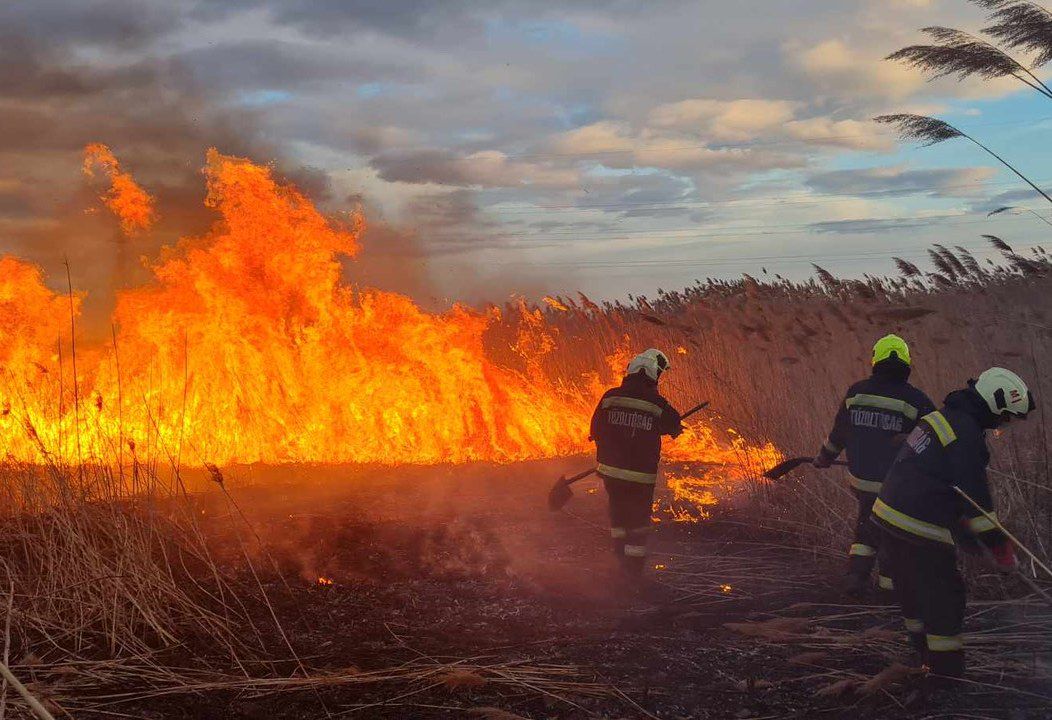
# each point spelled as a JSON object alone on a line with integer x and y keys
{"x": 823, "y": 459}
{"x": 677, "y": 432}
{"x": 966, "y": 540}
{"x": 1004, "y": 556}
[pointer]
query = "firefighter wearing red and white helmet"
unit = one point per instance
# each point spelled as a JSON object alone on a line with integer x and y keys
{"x": 923, "y": 516}
{"x": 627, "y": 427}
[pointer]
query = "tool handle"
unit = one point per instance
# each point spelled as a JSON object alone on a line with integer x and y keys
{"x": 581, "y": 475}
{"x": 1018, "y": 571}
{"x": 997, "y": 524}
{"x": 693, "y": 410}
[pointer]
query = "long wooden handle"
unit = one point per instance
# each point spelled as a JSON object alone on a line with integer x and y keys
{"x": 693, "y": 410}
{"x": 997, "y": 524}
{"x": 581, "y": 475}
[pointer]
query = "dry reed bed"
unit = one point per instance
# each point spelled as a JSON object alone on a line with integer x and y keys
{"x": 110, "y": 593}
{"x": 775, "y": 358}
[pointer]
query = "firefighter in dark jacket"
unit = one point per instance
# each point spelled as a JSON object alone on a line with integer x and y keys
{"x": 876, "y": 415}
{"x": 627, "y": 426}
{"x": 924, "y": 511}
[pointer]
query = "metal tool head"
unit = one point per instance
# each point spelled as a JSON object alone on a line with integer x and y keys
{"x": 559, "y": 495}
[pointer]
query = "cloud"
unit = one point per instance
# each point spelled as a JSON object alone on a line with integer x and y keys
{"x": 848, "y": 134}
{"x": 723, "y": 120}
{"x": 869, "y": 226}
{"x": 897, "y": 181}
{"x": 639, "y": 195}
{"x": 458, "y": 123}
{"x": 837, "y": 67}
{"x": 487, "y": 168}
{"x": 1024, "y": 196}
{"x": 615, "y": 145}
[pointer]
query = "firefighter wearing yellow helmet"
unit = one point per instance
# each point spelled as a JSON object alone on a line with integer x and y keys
{"x": 871, "y": 421}
{"x": 923, "y": 513}
{"x": 627, "y": 427}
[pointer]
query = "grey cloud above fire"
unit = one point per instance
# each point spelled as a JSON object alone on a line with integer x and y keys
{"x": 467, "y": 126}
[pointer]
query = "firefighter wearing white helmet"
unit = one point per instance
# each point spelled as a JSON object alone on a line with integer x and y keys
{"x": 652, "y": 362}
{"x": 923, "y": 517}
{"x": 627, "y": 427}
{"x": 1005, "y": 393}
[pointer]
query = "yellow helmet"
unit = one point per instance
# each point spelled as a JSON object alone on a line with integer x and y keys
{"x": 890, "y": 345}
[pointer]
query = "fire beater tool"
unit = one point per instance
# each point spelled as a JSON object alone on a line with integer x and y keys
{"x": 787, "y": 466}
{"x": 561, "y": 493}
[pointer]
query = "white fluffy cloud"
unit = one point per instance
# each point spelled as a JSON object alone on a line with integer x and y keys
{"x": 616, "y": 145}
{"x": 838, "y": 67}
{"x": 723, "y": 120}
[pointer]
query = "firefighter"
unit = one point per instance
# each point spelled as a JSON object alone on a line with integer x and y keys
{"x": 923, "y": 515}
{"x": 627, "y": 426}
{"x": 870, "y": 424}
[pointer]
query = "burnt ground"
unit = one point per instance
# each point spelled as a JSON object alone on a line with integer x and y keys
{"x": 466, "y": 564}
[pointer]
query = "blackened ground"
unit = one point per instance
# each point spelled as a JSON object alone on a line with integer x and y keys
{"x": 467, "y": 564}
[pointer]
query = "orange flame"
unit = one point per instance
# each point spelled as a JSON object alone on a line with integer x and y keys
{"x": 554, "y": 303}
{"x": 248, "y": 347}
{"x": 132, "y": 205}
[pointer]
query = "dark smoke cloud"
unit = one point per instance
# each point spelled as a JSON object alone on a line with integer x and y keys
{"x": 152, "y": 112}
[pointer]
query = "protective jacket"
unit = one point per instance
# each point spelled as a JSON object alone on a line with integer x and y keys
{"x": 946, "y": 449}
{"x": 627, "y": 426}
{"x": 870, "y": 423}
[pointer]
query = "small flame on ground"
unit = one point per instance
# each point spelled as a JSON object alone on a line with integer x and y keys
{"x": 659, "y": 567}
{"x": 725, "y": 588}
{"x": 325, "y": 581}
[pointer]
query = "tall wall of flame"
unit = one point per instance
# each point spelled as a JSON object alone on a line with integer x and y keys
{"x": 249, "y": 348}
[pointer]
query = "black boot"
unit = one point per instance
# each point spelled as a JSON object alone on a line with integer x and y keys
{"x": 947, "y": 664}
{"x": 919, "y": 645}
{"x": 855, "y": 586}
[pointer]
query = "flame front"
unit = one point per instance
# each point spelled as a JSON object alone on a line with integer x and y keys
{"x": 248, "y": 347}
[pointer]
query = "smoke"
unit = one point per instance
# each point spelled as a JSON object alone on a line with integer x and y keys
{"x": 154, "y": 115}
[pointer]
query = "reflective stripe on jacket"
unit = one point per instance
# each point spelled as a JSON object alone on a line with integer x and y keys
{"x": 946, "y": 449}
{"x": 875, "y": 415}
{"x": 627, "y": 426}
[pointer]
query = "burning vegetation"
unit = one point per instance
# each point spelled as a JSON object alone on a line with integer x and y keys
{"x": 248, "y": 347}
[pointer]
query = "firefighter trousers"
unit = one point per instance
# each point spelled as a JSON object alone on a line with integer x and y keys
{"x": 931, "y": 596}
{"x": 630, "y": 509}
{"x": 865, "y": 547}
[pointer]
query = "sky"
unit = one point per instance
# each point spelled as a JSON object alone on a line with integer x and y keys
{"x": 505, "y": 147}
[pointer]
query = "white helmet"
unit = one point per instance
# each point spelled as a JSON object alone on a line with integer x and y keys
{"x": 652, "y": 362}
{"x": 1004, "y": 392}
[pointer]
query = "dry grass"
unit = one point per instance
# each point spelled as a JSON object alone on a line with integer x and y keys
{"x": 775, "y": 358}
{"x": 109, "y": 591}
{"x": 110, "y": 594}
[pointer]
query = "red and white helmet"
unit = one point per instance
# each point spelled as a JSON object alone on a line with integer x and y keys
{"x": 1004, "y": 392}
{"x": 652, "y": 362}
